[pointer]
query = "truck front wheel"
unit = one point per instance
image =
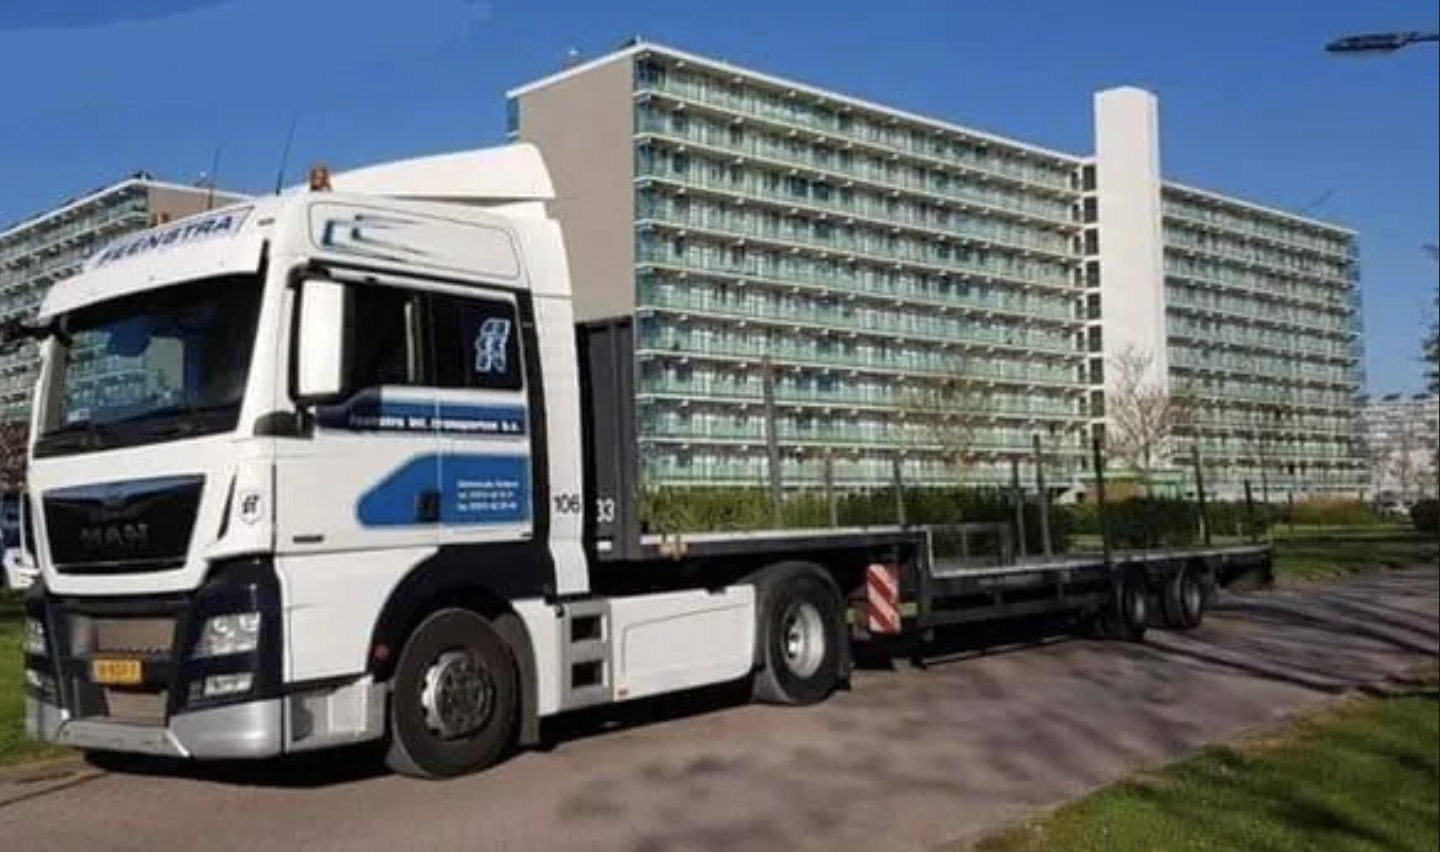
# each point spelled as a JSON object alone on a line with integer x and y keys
{"x": 799, "y": 630}
{"x": 453, "y": 700}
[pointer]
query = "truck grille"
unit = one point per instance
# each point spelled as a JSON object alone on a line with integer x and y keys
{"x": 151, "y": 637}
{"x": 142, "y": 707}
{"x": 122, "y": 527}
{"x": 98, "y": 634}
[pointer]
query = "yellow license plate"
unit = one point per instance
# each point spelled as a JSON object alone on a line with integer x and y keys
{"x": 115, "y": 672}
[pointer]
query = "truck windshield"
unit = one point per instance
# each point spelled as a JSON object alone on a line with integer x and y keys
{"x": 152, "y": 366}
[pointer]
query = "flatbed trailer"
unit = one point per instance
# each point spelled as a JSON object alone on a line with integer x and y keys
{"x": 880, "y": 570}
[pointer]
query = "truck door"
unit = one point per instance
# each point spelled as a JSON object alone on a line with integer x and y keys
{"x": 487, "y": 434}
{"x": 369, "y": 477}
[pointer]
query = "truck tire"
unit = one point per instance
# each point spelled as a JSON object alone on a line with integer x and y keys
{"x": 1125, "y": 617}
{"x": 1182, "y": 602}
{"x": 799, "y": 629}
{"x": 453, "y": 699}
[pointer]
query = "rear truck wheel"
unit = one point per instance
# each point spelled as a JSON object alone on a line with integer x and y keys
{"x": 1124, "y": 617}
{"x": 799, "y": 622}
{"x": 1182, "y": 602}
{"x": 453, "y": 699}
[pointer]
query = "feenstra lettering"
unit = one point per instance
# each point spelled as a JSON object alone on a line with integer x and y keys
{"x": 225, "y": 223}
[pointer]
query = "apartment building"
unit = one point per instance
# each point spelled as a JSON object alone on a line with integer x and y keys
{"x": 40, "y": 250}
{"x": 892, "y": 292}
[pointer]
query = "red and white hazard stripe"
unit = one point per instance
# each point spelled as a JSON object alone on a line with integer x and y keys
{"x": 882, "y": 593}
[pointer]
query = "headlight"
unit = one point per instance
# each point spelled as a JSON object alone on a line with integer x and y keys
{"x": 236, "y": 633}
{"x": 34, "y": 637}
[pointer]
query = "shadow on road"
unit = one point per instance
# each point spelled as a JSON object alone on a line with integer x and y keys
{"x": 301, "y": 771}
{"x": 1006, "y": 731}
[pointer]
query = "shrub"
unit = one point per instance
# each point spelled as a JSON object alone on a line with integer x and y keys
{"x": 1235, "y": 518}
{"x": 670, "y": 510}
{"x": 1330, "y": 513}
{"x": 1425, "y": 515}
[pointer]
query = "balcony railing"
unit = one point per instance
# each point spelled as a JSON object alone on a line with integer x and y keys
{"x": 883, "y": 324}
{"x": 789, "y": 273}
{"x": 916, "y": 363}
{"x": 998, "y": 406}
{"x": 979, "y": 159}
{"x": 784, "y": 237}
{"x": 874, "y": 213}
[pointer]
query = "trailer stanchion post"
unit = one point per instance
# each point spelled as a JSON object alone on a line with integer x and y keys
{"x": 899, "y": 480}
{"x": 1250, "y": 512}
{"x": 831, "y": 506}
{"x": 1097, "y": 461}
{"x": 772, "y": 444}
{"x": 1044, "y": 497}
{"x": 1018, "y": 493}
{"x": 1200, "y": 493}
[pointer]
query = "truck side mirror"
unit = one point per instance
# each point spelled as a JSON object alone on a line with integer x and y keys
{"x": 320, "y": 354}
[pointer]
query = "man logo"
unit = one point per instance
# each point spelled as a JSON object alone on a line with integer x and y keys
{"x": 115, "y": 536}
{"x": 490, "y": 345}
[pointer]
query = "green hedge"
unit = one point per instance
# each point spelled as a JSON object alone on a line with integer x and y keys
{"x": 717, "y": 509}
{"x": 1154, "y": 522}
{"x": 1142, "y": 522}
{"x": 1135, "y": 522}
{"x": 1329, "y": 513}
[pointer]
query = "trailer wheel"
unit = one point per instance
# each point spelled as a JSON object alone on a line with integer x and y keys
{"x": 454, "y": 698}
{"x": 1183, "y": 600}
{"x": 799, "y": 631}
{"x": 1125, "y": 616}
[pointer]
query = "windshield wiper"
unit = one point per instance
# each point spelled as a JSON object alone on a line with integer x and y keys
{"x": 179, "y": 409}
{"x": 80, "y": 434}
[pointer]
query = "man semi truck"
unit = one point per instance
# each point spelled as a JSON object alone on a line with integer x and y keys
{"x": 338, "y": 465}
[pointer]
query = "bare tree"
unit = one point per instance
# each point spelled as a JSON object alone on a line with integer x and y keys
{"x": 1258, "y": 438}
{"x": 1403, "y": 460}
{"x": 945, "y": 417}
{"x": 1400, "y": 449}
{"x": 1143, "y": 416}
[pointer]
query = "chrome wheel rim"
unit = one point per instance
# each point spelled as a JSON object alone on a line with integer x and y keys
{"x": 457, "y": 696}
{"x": 802, "y": 639}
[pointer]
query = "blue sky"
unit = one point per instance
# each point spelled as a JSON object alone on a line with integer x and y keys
{"x": 1250, "y": 104}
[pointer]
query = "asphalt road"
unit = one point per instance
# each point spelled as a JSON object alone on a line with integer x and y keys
{"x": 907, "y": 760}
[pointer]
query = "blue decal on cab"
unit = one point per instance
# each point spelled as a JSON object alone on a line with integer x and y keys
{"x": 369, "y": 414}
{"x": 396, "y": 501}
{"x": 473, "y": 489}
{"x": 484, "y": 489}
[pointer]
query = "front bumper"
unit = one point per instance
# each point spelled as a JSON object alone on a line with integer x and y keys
{"x": 250, "y": 730}
{"x": 309, "y": 719}
{"x": 167, "y": 708}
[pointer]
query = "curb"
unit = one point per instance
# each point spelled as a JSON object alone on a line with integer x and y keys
{"x": 31, "y": 780}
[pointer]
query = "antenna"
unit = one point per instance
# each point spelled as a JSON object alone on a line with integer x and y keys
{"x": 214, "y": 179}
{"x": 1317, "y": 203}
{"x": 285, "y": 152}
